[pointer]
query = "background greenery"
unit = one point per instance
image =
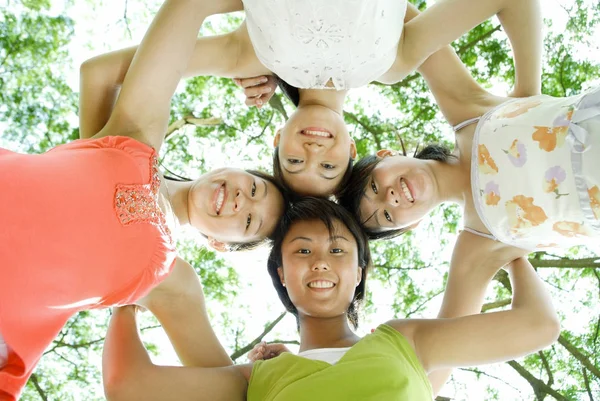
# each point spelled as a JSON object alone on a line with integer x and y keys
{"x": 43, "y": 41}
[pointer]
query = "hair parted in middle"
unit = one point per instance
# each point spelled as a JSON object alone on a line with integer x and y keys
{"x": 327, "y": 212}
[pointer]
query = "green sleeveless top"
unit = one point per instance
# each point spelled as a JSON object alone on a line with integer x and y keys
{"x": 381, "y": 366}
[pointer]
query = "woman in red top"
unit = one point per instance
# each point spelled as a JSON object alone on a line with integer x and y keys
{"x": 90, "y": 224}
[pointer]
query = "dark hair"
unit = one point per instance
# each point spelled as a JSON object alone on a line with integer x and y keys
{"x": 279, "y": 174}
{"x": 291, "y": 92}
{"x": 352, "y": 194}
{"x": 327, "y": 212}
{"x": 247, "y": 246}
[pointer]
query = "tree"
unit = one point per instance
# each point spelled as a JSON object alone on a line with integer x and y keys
{"x": 211, "y": 125}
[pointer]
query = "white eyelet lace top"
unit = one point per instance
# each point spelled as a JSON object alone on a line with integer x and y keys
{"x": 307, "y": 43}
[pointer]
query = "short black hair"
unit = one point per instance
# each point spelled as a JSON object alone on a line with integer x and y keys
{"x": 291, "y": 92}
{"x": 285, "y": 194}
{"x": 327, "y": 212}
{"x": 279, "y": 174}
{"x": 351, "y": 195}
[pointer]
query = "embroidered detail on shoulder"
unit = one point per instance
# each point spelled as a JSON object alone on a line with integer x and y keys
{"x": 138, "y": 203}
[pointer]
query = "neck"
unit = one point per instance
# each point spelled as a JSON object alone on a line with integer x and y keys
{"x": 325, "y": 333}
{"x": 454, "y": 183}
{"x": 178, "y": 192}
{"x": 331, "y": 99}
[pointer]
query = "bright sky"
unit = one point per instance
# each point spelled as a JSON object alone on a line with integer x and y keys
{"x": 102, "y": 28}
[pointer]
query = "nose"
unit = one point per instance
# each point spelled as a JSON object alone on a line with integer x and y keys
{"x": 313, "y": 147}
{"x": 320, "y": 265}
{"x": 392, "y": 197}
{"x": 239, "y": 202}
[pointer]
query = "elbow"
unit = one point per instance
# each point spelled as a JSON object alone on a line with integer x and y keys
{"x": 547, "y": 329}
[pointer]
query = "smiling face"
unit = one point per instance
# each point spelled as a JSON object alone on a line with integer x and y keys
{"x": 320, "y": 269}
{"x": 399, "y": 193}
{"x": 232, "y": 205}
{"x": 314, "y": 150}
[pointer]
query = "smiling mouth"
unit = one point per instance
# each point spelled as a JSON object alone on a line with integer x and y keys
{"x": 219, "y": 199}
{"x": 321, "y": 285}
{"x": 406, "y": 191}
{"x": 316, "y": 133}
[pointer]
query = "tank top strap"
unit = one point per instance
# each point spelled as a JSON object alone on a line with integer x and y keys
{"x": 466, "y": 123}
{"x": 488, "y": 236}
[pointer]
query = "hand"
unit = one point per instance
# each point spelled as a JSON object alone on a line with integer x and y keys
{"x": 258, "y": 90}
{"x": 264, "y": 351}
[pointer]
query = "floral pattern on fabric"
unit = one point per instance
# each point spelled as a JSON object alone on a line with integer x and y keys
{"x": 570, "y": 229}
{"x": 139, "y": 203}
{"x": 487, "y": 165}
{"x": 515, "y": 109}
{"x": 594, "y": 194}
{"x": 492, "y": 194}
{"x": 517, "y": 153}
{"x": 550, "y": 137}
{"x": 522, "y": 213}
{"x": 552, "y": 179}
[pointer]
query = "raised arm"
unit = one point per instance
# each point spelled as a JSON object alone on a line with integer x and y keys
{"x": 101, "y": 77}
{"x": 178, "y": 304}
{"x": 129, "y": 374}
{"x": 447, "y": 20}
{"x": 529, "y": 326}
{"x": 142, "y": 108}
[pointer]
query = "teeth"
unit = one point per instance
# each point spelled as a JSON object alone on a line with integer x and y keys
{"x": 317, "y": 133}
{"x": 321, "y": 284}
{"x": 220, "y": 199}
{"x": 406, "y": 191}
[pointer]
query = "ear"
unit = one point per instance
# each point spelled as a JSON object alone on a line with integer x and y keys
{"x": 277, "y": 137}
{"x": 217, "y": 245}
{"x": 353, "y": 149}
{"x": 359, "y": 276}
{"x": 383, "y": 153}
{"x": 281, "y": 277}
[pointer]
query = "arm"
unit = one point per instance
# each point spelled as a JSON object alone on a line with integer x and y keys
{"x": 529, "y": 326}
{"x": 142, "y": 109}
{"x": 475, "y": 261}
{"x": 128, "y": 373}
{"x": 520, "y": 19}
{"x": 178, "y": 304}
{"x": 101, "y": 77}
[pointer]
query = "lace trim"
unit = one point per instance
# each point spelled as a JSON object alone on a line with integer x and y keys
{"x": 138, "y": 203}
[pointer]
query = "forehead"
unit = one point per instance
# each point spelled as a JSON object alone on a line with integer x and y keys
{"x": 367, "y": 209}
{"x": 311, "y": 183}
{"x": 316, "y": 229}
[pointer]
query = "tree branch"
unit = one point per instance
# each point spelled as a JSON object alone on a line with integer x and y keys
{"x": 242, "y": 351}
{"x": 539, "y": 387}
{"x": 374, "y": 132}
{"x": 547, "y": 367}
{"x": 579, "y": 355}
{"x": 38, "y": 388}
{"x": 586, "y": 380}
{"x": 475, "y": 41}
{"x": 567, "y": 263}
{"x": 496, "y": 304}
{"x": 191, "y": 120}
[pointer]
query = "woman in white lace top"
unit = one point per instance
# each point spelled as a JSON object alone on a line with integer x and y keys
{"x": 322, "y": 49}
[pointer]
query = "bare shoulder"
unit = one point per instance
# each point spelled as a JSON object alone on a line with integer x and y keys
{"x": 245, "y": 370}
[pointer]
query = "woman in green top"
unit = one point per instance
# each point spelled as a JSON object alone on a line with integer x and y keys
{"x": 319, "y": 266}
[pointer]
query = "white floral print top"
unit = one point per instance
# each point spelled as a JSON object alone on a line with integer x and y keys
{"x": 307, "y": 43}
{"x": 535, "y": 171}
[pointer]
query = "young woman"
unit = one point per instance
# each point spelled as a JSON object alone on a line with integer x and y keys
{"x": 526, "y": 171}
{"x": 319, "y": 265}
{"x": 90, "y": 224}
{"x": 325, "y": 50}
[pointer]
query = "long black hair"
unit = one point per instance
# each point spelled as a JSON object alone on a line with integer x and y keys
{"x": 327, "y": 212}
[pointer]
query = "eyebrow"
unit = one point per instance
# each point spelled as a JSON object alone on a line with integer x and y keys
{"x": 301, "y": 238}
{"x": 336, "y": 237}
{"x": 324, "y": 176}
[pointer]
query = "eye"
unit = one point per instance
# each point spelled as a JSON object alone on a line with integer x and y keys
{"x": 387, "y": 216}
{"x": 248, "y": 221}
{"x": 327, "y": 166}
{"x": 304, "y": 251}
{"x": 253, "y": 191}
{"x": 294, "y": 161}
{"x": 374, "y": 187}
{"x": 336, "y": 250}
